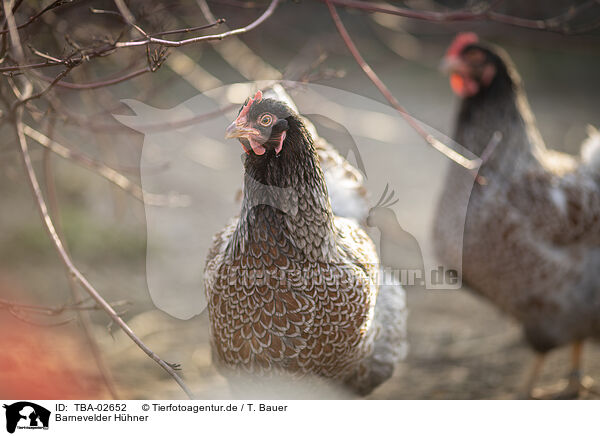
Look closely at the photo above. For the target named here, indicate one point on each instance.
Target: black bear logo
(26, 415)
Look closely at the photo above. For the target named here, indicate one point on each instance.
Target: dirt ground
(460, 348)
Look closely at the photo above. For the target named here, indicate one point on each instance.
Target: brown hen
(291, 287)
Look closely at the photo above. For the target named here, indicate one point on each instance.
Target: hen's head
(261, 125)
(472, 66)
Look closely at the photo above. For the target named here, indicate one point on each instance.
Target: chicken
(291, 287)
(345, 184)
(531, 240)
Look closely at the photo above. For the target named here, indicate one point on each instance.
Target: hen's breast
(272, 312)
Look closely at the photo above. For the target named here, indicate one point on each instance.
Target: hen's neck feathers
(502, 107)
(286, 200)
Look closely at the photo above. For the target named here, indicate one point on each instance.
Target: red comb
(460, 42)
(257, 97)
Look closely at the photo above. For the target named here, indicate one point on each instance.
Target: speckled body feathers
(532, 233)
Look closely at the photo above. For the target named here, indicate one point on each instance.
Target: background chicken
(291, 287)
(532, 234)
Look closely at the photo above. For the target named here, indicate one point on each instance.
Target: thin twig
(101, 83)
(16, 314)
(44, 55)
(240, 4)
(57, 79)
(128, 16)
(555, 24)
(56, 310)
(83, 315)
(470, 164)
(196, 119)
(29, 66)
(51, 6)
(78, 57)
(85, 55)
(107, 172)
(68, 263)
(166, 32)
(237, 54)
(4, 49)
(12, 30)
(217, 37)
(190, 29)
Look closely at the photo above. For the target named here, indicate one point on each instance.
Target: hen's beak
(451, 64)
(238, 130)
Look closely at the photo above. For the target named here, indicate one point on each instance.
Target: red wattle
(280, 146)
(258, 148)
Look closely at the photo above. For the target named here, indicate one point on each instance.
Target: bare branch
(45, 90)
(16, 314)
(190, 29)
(82, 55)
(240, 4)
(82, 314)
(53, 5)
(68, 263)
(153, 40)
(167, 32)
(101, 83)
(29, 66)
(237, 54)
(128, 16)
(44, 55)
(12, 29)
(172, 125)
(555, 24)
(441, 147)
(56, 310)
(107, 172)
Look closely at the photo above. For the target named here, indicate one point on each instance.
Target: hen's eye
(265, 120)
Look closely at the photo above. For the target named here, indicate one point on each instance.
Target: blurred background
(460, 347)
